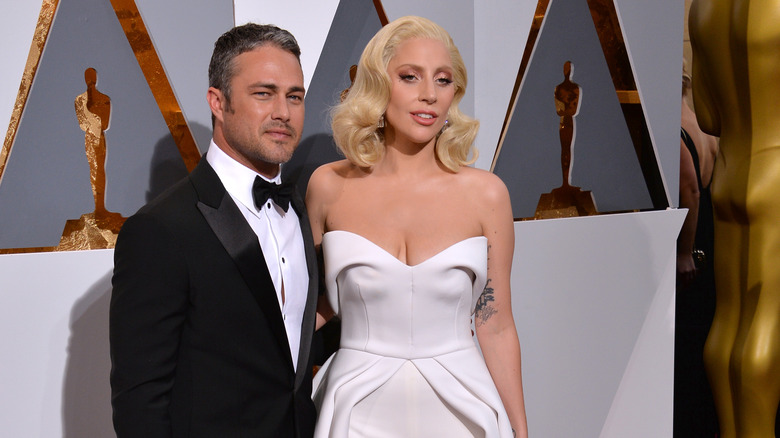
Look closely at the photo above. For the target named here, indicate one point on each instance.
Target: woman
(413, 241)
(694, 408)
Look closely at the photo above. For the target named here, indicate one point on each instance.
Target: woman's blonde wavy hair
(355, 120)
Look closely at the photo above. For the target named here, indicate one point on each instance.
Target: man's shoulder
(173, 199)
(201, 182)
(170, 217)
(176, 208)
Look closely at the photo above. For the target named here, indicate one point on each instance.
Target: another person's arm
(689, 198)
(493, 318)
(147, 312)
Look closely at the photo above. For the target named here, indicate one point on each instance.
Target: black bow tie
(263, 190)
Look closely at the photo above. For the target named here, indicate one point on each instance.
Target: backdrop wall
(54, 377)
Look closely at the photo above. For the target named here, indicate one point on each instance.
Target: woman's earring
(381, 123)
(446, 125)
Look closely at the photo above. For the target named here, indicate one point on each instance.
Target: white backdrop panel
(54, 325)
(308, 21)
(593, 300)
(17, 27)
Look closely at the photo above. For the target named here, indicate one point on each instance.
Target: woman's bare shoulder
(483, 184)
(329, 172)
(487, 202)
(330, 177)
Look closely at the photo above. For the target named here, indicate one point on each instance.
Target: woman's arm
(493, 318)
(317, 216)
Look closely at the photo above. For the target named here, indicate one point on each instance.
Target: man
(213, 305)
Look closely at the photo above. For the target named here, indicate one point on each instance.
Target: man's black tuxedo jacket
(198, 345)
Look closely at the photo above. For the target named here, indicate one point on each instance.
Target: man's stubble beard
(265, 150)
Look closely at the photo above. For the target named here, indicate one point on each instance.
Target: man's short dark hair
(242, 39)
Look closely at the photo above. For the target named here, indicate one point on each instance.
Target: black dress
(694, 409)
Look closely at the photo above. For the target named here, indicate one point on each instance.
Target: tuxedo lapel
(238, 239)
(309, 314)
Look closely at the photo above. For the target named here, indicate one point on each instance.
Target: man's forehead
(278, 65)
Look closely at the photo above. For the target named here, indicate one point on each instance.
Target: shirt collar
(236, 177)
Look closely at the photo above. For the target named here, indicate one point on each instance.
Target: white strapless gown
(407, 365)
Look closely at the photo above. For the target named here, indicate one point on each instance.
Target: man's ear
(217, 102)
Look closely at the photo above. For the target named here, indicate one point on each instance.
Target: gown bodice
(412, 311)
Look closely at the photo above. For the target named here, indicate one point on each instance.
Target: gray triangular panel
(354, 23)
(603, 157)
(47, 178)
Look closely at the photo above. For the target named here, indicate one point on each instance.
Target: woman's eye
(408, 78)
(444, 81)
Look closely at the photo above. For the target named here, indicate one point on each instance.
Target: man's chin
(284, 153)
(274, 153)
(278, 159)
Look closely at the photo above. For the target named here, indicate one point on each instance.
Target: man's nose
(281, 109)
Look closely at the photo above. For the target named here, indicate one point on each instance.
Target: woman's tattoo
(484, 309)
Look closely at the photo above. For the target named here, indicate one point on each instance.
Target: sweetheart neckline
(396, 258)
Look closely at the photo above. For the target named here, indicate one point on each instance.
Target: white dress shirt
(280, 237)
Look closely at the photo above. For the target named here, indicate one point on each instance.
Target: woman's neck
(408, 159)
